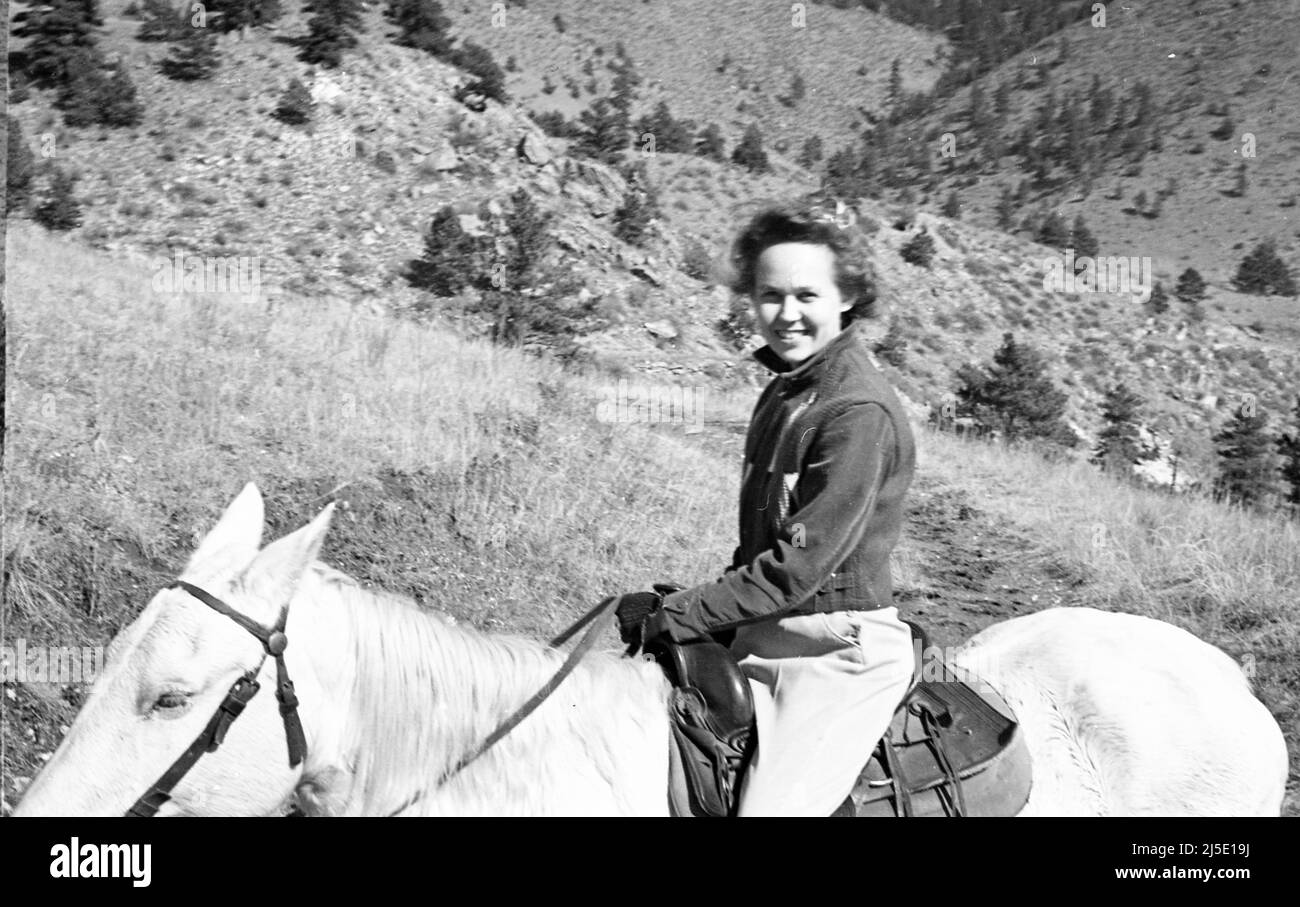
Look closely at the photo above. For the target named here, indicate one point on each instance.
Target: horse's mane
(428, 691)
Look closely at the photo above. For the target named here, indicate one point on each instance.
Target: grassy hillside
(483, 483)
(1211, 65)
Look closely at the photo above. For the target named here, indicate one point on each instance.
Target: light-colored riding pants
(825, 688)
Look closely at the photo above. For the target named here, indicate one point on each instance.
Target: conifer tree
(194, 57)
(295, 107)
(1053, 232)
(162, 21)
(56, 31)
(1159, 301)
(1082, 240)
(1015, 395)
(639, 209)
(1288, 447)
(119, 105)
(811, 152)
(952, 205)
(1006, 210)
(1247, 471)
(61, 211)
(449, 263)
(1118, 445)
(234, 15)
(604, 132)
(1191, 287)
(1262, 272)
(710, 144)
(489, 78)
(331, 30)
(749, 152)
(422, 24)
(919, 250)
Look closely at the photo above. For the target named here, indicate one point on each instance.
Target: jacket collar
(812, 368)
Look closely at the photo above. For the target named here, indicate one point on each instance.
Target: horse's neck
(415, 694)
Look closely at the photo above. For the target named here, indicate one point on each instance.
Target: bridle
(274, 642)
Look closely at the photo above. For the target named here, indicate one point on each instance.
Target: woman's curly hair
(814, 223)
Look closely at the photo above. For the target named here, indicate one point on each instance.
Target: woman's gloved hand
(632, 611)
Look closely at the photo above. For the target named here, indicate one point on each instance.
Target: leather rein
(274, 642)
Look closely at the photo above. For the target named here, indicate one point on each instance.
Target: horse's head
(168, 672)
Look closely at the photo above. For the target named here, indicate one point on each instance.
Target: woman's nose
(789, 308)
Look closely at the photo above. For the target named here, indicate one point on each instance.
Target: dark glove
(632, 610)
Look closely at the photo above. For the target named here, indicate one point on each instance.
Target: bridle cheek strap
(274, 642)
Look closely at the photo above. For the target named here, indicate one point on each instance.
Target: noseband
(274, 642)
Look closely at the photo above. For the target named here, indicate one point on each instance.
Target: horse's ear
(234, 541)
(278, 568)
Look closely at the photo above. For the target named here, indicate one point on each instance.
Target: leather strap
(274, 642)
(902, 796)
(243, 690)
(935, 741)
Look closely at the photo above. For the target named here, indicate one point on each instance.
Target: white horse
(1122, 715)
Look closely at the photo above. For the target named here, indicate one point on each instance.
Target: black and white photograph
(656, 408)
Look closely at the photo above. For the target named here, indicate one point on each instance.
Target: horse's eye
(171, 701)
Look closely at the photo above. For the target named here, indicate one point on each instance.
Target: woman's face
(796, 302)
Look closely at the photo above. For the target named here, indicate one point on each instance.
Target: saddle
(954, 747)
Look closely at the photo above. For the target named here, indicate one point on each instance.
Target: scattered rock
(533, 149)
(444, 159)
(661, 330)
(648, 274)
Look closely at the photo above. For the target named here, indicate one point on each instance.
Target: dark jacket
(828, 461)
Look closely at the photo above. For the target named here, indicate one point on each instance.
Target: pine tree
(118, 103)
(82, 90)
(1053, 232)
(1262, 272)
(952, 205)
(1006, 210)
(449, 263)
(1016, 395)
(1288, 447)
(233, 15)
(529, 230)
(1159, 301)
(330, 31)
(1191, 287)
(57, 31)
(639, 209)
(919, 250)
(194, 57)
(1246, 460)
(798, 90)
(295, 107)
(749, 153)
(892, 347)
(811, 152)
(710, 144)
(489, 78)
(1082, 240)
(671, 135)
(61, 211)
(162, 22)
(18, 176)
(1118, 445)
(895, 96)
(605, 132)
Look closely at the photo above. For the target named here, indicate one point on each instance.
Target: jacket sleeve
(848, 461)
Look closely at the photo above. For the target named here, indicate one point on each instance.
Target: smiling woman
(828, 462)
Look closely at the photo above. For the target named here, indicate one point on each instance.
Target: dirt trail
(972, 568)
